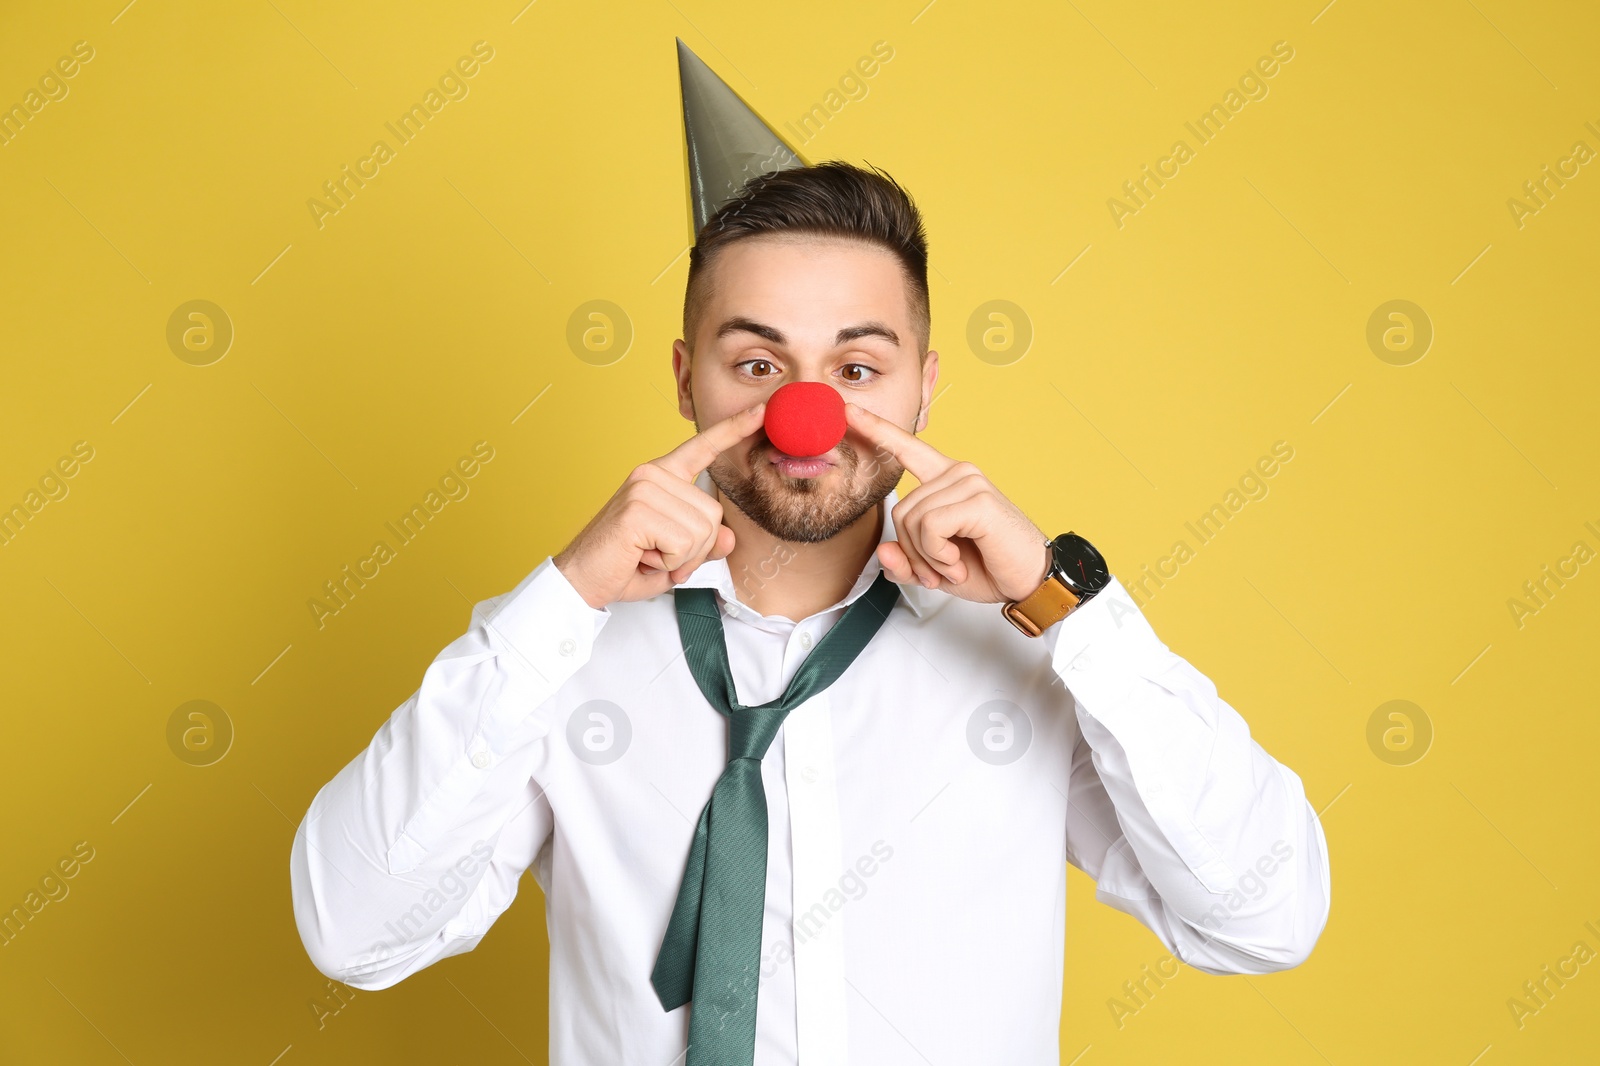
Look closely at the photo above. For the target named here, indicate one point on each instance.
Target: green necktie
(711, 953)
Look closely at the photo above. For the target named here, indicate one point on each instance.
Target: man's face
(805, 309)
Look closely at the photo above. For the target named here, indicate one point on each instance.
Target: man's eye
(848, 371)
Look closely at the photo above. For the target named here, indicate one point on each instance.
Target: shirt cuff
(1108, 630)
(546, 630)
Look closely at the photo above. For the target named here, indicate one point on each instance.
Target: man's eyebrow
(745, 325)
(867, 329)
(844, 336)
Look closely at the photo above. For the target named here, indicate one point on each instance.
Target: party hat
(728, 142)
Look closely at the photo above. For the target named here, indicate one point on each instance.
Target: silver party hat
(728, 142)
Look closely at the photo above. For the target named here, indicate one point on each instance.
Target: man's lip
(823, 458)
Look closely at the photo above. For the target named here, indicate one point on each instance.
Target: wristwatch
(1077, 572)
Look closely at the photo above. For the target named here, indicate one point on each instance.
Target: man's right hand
(659, 526)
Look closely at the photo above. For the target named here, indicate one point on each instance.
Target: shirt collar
(714, 573)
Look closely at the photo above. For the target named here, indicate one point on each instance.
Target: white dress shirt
(921, 811)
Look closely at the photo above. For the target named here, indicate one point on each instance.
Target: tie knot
(751, 729)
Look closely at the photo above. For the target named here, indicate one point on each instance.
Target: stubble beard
(806, 510)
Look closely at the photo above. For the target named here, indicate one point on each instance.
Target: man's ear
(683, 375)
(930, 376)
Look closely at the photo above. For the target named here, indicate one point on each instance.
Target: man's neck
(794, 580)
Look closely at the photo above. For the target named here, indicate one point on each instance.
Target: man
(880, 875)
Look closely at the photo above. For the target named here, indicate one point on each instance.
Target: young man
(795, 787)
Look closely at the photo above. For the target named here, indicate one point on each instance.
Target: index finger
(689, 459)
(915, 454)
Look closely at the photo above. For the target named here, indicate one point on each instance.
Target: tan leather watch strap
(1043, 608)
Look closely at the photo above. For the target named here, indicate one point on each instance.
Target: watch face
(1084, 567)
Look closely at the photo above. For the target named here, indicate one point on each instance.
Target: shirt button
(805, 640)
(733, 610)
(1083, 661)
(568, 646)
(480, 759)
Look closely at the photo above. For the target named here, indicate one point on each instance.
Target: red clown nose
(805, 418)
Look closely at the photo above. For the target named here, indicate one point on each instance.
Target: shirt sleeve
(417, 845)
(1182, 819)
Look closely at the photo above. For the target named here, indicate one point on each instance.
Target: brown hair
(833, 199)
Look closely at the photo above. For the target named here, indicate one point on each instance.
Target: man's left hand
(955, 531)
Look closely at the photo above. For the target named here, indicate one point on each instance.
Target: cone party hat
(728, 143)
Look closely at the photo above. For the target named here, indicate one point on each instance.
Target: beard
(805, 510)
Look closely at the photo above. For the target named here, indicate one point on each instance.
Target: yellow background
(369, 354)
